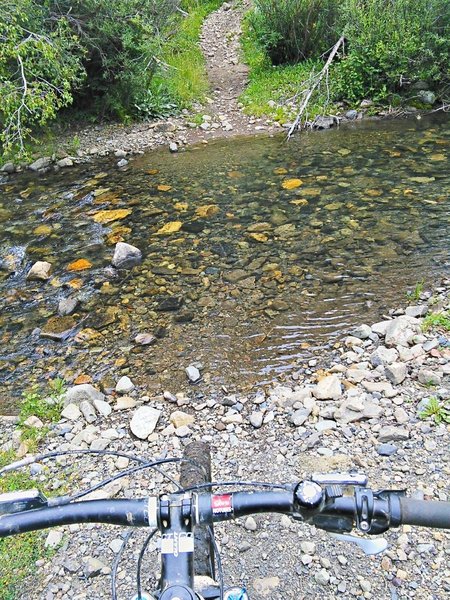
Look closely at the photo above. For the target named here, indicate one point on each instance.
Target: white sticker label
(177, 543)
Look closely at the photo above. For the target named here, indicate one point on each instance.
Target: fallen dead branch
(315, 82)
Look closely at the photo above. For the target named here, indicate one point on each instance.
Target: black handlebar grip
(425, 513)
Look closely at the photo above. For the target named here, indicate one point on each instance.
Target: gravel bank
(360, 410)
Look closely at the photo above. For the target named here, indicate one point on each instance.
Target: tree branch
(316, 81)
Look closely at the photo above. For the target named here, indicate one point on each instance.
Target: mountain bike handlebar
(325, 507)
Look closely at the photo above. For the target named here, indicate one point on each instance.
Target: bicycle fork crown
(236, 593)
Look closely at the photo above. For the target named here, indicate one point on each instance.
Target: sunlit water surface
(266, 251)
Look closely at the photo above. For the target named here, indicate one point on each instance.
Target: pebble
(193, 373)
(250, 524)
(322, 577)
(386, 449)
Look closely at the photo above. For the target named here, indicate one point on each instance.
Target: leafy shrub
(293, 30)
(392, 44)
(98, 54)
(122, 42)
(40, 65)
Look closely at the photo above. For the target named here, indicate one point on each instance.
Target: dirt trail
(220, 43)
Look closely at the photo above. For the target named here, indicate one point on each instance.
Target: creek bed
(257, 255)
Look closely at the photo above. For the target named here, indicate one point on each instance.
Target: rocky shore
(365, 408)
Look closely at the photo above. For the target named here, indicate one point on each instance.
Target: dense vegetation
(108, 59)
(140, 58)
(392, 48)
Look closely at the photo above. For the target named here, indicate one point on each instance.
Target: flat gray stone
(71, 412)
(393, 434)
(429, 377)
(41, 163)
(386, 449)
(300, 416)
(103, 408)
(416, 311)
(362, 332)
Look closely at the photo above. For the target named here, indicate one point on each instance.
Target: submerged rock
(67, 306)
(126, 256)
(58, 328)
(41, 270)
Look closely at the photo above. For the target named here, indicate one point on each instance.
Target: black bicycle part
(177, 541)
(197, 471)
(425, 513)
(132, 513)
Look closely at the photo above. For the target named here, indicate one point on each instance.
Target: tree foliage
(40, 65)
(389, 44)
(96, 53)
(294, 30)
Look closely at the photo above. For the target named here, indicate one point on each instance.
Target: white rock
(126, 256)
(383, 356)
(102, 407)
(33, 421)
(53, 539)
(179, 418)
(193, 373)
(328, 388)
(396, 372)
(41, 270)
(144, 421)
(124, 385)
(400, 331)
(88, 411)
(71, 412)
(78, 393)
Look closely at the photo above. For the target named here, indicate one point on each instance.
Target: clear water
(267, 275)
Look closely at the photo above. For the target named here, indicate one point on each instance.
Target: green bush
(99, 55)
(392, 44)
(293, 30)
(122, 42)
(40, 65)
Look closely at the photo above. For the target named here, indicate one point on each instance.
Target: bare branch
(315, 83)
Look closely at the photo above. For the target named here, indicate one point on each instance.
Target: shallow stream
(257, 254)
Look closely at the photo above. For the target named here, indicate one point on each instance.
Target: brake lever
(374, 546)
